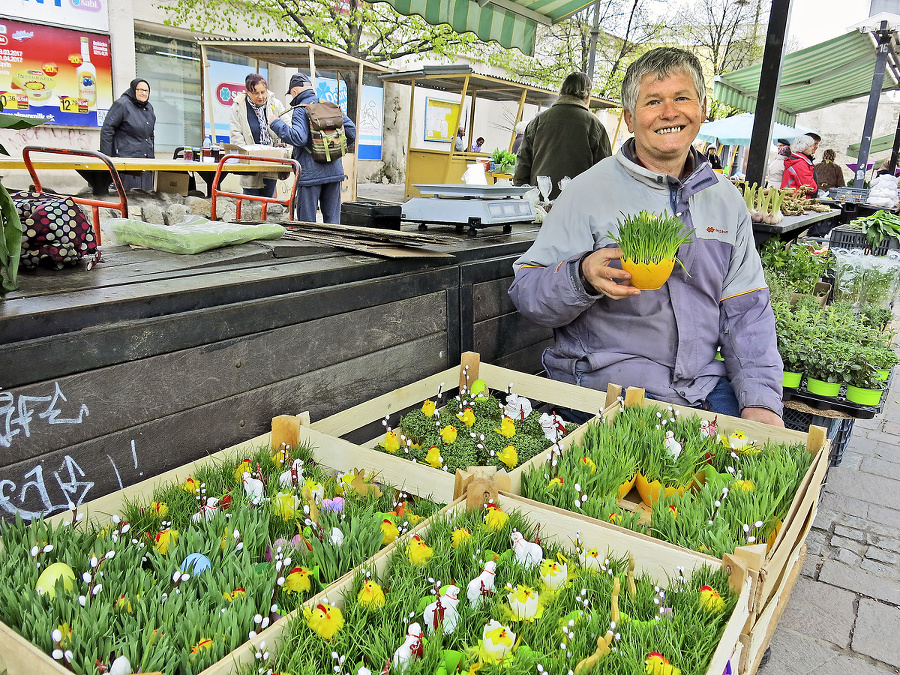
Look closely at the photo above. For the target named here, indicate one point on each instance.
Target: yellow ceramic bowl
(648, 277)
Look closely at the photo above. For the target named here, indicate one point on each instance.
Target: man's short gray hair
(576, 84)
(802, 144)
(662, 63)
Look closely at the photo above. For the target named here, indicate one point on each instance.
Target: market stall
(428, 165)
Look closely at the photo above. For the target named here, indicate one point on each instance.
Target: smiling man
(665, 341)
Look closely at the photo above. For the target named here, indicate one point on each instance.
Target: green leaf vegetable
(650, 237)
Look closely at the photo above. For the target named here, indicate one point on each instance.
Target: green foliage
(795, 265)
(504, 159)
(878, 226)
(758, 485)
(687, 636)
(650, 237)
(139, 611)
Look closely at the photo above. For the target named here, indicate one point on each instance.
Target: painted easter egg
(479, 389)
(196, 563)
(46, 583)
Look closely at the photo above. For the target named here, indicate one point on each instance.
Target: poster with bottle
(61, 76)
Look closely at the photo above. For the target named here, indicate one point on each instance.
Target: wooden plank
(373, 232)
(491, 298)
(123, 341)
(19, 657)
(761, 635)
(81, 472)
(124, 395)
(507, 333)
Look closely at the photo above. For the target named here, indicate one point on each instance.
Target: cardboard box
(173, 182)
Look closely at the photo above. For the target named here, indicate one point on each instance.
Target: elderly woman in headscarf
(128, 131)
(249, 126)
(827, 173)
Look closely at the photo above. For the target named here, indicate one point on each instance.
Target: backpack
(328, 141)
(55, 230)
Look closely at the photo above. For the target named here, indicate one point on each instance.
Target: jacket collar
(702, 175)
(566, 99)
(305, 96)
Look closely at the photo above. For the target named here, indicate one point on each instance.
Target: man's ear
(629, 121)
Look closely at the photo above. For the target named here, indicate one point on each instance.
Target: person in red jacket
(798, 167)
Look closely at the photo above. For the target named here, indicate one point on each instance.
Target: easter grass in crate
(475, 428)
(726, 485)
(515, 588)
(195, 562)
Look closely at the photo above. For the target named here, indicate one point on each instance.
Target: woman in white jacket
(249, 126)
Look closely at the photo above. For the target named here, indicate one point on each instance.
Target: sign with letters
(58, 75)
(88, 14)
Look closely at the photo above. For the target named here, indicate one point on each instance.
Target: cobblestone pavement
(843, 617)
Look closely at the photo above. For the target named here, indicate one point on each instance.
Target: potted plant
(503, 161)
(649, 242)
(863, 384)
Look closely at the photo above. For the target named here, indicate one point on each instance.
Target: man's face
(812, 150)
(781, 147)
(666, 119)
(258, 94)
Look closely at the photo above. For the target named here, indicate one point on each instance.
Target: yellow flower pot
(648, 276)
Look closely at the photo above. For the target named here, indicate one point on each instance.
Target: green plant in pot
(863, 384)
(503, 160)
(649, 243)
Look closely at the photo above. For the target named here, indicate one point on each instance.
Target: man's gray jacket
(664, 341)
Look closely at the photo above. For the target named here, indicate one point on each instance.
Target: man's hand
(602, 276)
(270, 116)
(762, 415)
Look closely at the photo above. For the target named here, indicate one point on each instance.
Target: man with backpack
(320, 134)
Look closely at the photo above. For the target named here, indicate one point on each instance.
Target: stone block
(877, 489)
(880, 569)
(153, 213)
(847, 557)
(811, 566)
(796, 654)
(884, 515)
(845, 544)
(884, 556)
(846, 506)
(851, 578)
(806, 612)
(882, 467)
(848, 665)
(175, 214)
(850, 533)
(877, 628)
(198, 206)
(816, 541)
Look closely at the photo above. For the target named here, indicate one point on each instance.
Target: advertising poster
(226, 82)
(441, 118)
(59, 75)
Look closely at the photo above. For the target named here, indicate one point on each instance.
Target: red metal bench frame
(95, 204)
(289, 202)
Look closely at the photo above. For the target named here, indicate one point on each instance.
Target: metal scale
(475, 206)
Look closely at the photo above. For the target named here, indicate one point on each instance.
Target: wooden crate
(362, 423)
(769, 566)
(652, 557)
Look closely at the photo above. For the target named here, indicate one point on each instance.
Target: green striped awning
(837, 70)
(512, 23)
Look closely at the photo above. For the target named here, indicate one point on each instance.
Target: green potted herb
(503, 160)
(861, 377)
(649, 242)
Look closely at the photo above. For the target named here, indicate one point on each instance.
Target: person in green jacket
(564, 140)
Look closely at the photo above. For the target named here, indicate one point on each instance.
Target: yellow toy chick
(497, 640)
(389, 531)
(494, 518)
(459, 537)
(448, 434)
(164, 540)
(191, 485)
(554, 483)
(433, 458)
(391, 443)
(710, 599)
(507, 428)
(286, 505)
(371, 596)
(588, 462)
(657, 664)
(467, 417)
(297, 581)
(428, 408)
(418, 552)
(160, 509)
(243, 467)
(324, 620)
(554, 574)
(235, 594)
(745, 485)
(509, 456)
